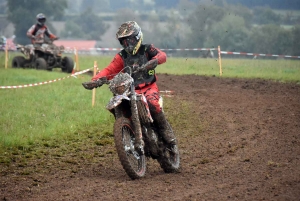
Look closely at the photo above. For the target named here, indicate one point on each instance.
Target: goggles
(128, 41)
(42, 20)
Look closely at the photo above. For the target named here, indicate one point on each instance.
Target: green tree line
(189, 25)
(237, 28)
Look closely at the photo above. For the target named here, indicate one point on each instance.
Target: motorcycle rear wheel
(133, 163)
(170, 159)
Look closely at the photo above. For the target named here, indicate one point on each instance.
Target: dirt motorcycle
(133, 121)
(44, 56)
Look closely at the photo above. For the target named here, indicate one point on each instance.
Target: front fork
(139, 143)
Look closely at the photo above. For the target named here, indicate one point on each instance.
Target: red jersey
(118, 63)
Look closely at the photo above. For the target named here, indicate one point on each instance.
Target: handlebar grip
(91, 85)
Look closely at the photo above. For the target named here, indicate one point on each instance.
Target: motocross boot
(164, 128)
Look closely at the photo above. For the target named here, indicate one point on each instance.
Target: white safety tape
(70, 49)
(46, 82)
(119, 49)
(168, 96)
(167, 92)
(189, 49)
(262, 55)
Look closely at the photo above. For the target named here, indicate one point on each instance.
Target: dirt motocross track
(239, 140)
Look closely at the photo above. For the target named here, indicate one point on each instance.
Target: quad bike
(44, 56)
(133, 121)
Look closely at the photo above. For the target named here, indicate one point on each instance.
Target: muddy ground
(239, 140)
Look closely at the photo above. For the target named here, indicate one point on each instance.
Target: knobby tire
(133, 163)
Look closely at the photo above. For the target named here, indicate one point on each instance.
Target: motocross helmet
(130, 36)
(41, 19)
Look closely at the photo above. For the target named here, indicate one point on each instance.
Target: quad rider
(38, 31)
(145, 58)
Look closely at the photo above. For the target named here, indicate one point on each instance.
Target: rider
(38, 31)
(144, 57)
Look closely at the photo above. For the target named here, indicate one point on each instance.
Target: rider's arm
(115, 66)
(30, 31)
(49, 34)
(155, 53)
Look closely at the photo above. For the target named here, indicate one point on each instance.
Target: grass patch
(46, 115)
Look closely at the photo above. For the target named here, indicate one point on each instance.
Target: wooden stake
(6, 55)
(76, 59)
(220, 62)
(94, 90)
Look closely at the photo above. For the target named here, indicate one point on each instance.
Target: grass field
(47, 114)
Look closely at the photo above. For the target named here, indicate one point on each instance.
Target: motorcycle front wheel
(133, 163)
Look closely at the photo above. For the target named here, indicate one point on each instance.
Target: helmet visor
(128, 43)
(42, 20)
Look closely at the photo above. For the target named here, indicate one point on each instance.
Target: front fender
(115, 101)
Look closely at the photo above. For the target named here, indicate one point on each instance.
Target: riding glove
(94, 84)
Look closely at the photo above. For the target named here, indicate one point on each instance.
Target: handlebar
(98, 83)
